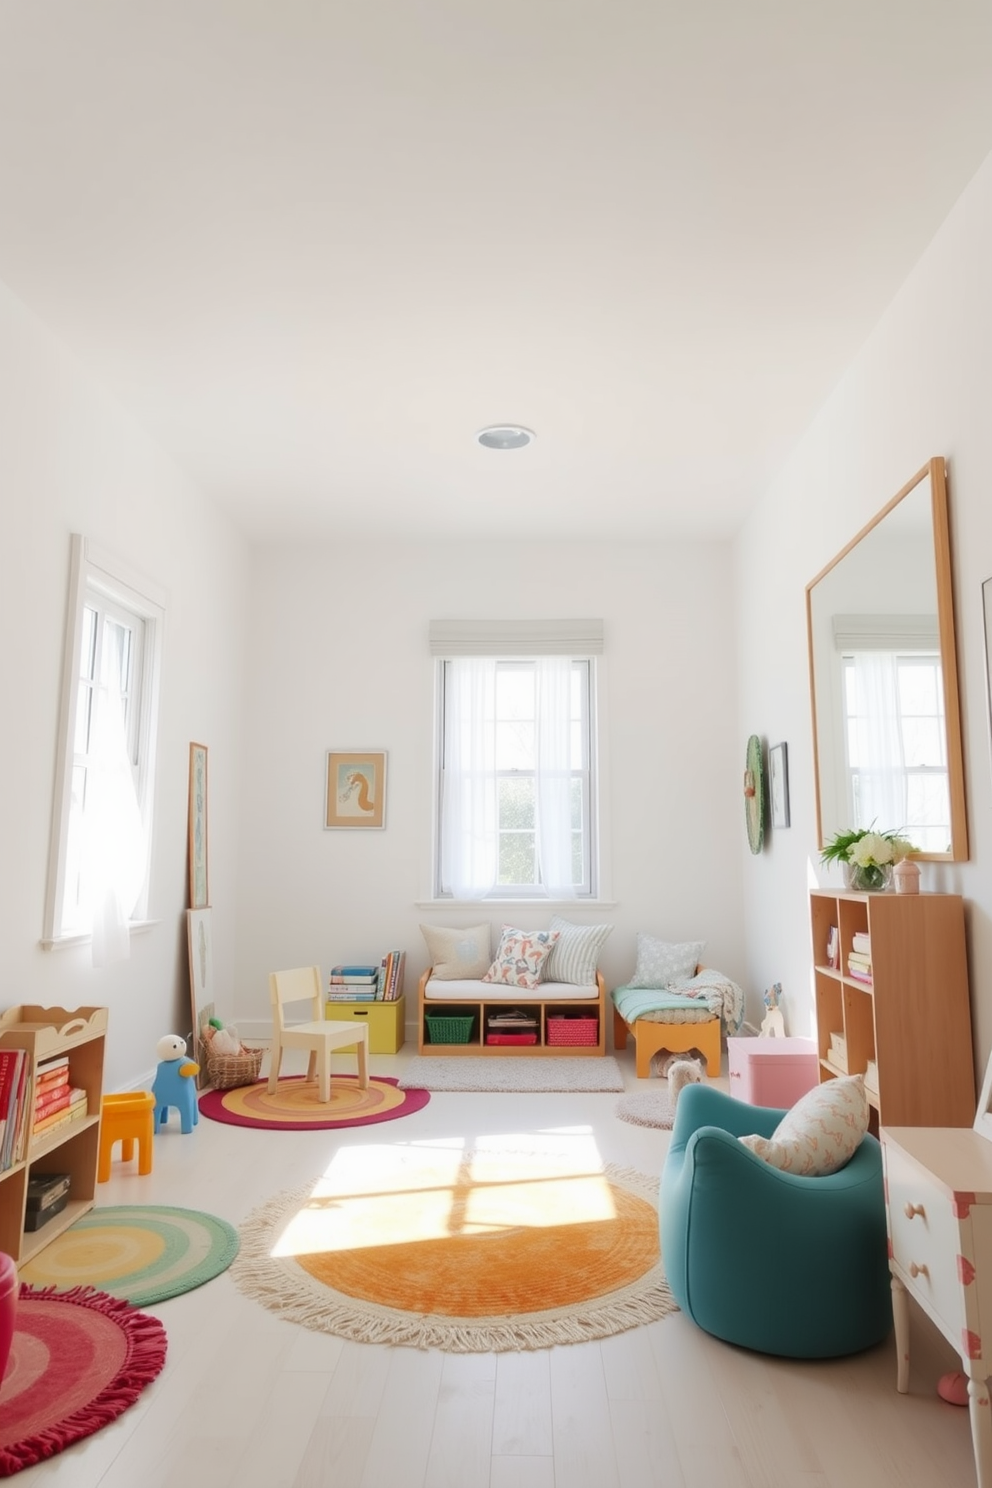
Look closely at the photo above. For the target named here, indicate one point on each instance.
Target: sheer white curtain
(554, 774)
(469, 785)
(879, 760)
(469, 844)
(112, 859)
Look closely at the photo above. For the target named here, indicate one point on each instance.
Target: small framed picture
(778, 784)
(355, 789)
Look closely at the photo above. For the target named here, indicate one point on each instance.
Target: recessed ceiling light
(505, 436)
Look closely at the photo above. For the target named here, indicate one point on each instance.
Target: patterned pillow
(822, 1131)
(659, 963)
(457, 954)
(520, 957)
(575, 955)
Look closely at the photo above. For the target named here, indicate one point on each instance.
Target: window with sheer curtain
(896, 744)
(516, 791)
(102, 830)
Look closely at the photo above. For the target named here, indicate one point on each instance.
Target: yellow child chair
(319, 1036)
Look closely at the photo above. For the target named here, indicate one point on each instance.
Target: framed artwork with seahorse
(355, 789)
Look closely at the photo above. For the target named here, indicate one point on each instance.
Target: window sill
(65, 942)
(515, 904)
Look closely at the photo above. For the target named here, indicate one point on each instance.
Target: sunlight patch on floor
(401, 1193)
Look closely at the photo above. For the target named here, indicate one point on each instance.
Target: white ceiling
(315, 245)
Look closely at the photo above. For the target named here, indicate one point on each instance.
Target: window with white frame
(895, 744)
(101, 843)
(516, 780)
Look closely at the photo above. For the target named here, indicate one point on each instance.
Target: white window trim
(517, 894)
(91, 567)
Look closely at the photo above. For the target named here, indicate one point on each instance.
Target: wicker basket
(226, 1071)
(448, 1028)
(579, 1032)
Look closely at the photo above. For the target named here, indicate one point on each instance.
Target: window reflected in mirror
(883, 674)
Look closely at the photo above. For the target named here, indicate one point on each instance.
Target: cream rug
(509, 1072)
(647, 1108)
(467, 1252)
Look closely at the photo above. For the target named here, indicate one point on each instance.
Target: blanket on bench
(690, 1000)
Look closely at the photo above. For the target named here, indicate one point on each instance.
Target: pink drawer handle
(915, 1270)
(913, 1209)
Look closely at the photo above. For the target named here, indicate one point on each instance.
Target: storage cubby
(912, 1022)
(47, 1033)
(469, 1035)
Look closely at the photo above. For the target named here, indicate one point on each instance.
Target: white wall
(340, 660)
(71, 460)
(922, 386)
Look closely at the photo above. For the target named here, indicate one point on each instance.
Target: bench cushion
(478, 991)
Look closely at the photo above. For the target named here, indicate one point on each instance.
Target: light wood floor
(247, 1399)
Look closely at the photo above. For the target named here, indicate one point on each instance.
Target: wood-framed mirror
(883, 678)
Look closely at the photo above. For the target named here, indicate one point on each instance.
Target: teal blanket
(708, 988)
(633, 1002)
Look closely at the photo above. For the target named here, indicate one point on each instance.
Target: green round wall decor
(754, 793)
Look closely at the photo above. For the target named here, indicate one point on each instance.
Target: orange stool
(127, 1119)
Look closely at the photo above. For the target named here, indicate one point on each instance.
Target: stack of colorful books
(859, 957)
(13, 1105)
(353, 984)
(382, 983)
(56, 1102)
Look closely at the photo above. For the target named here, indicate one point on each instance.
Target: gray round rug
(647, 1108)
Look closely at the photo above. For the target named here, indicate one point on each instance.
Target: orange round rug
(465, 1252)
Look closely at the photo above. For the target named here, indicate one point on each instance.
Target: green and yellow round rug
(140, 1253)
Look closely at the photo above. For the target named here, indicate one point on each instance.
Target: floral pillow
(821, 1133)
(660, 963)
(521, 957)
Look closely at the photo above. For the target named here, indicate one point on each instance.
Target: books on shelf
(833, 948)
(74, 1107)
(13, 1101)
(391, 975)
(859, 960)
(861, 942)
(361, 983)
(353, 976)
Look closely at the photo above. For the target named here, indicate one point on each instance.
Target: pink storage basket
(574, 1031)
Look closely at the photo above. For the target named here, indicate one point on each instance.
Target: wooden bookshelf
(913, 1020)
(45, 1033)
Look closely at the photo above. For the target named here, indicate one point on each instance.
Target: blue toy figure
(175, 1083)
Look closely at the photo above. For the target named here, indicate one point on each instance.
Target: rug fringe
(300, 1299)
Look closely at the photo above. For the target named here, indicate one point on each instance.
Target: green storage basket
(449, 1028)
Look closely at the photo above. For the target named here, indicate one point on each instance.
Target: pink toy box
(772, 1071)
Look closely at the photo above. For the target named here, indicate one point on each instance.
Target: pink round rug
(78, 1360)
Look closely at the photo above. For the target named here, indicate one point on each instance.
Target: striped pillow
(575, 954)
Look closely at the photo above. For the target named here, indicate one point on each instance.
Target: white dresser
(938, 1186)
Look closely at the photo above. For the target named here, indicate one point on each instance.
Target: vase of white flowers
(867, 857)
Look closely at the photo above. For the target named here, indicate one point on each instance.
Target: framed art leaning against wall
(355, 789)
(199, 885)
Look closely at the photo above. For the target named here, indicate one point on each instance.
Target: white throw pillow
(520, 957)
(821, 1133)
(458, 955)
(575, 955)
(659, 962)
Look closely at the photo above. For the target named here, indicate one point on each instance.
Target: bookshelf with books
(893, 1003)
(371, 994)
(51, 1111)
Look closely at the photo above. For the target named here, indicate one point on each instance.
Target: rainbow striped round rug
(139, 1253)
(295, 1104)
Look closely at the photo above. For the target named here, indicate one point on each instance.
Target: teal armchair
(772, 1261)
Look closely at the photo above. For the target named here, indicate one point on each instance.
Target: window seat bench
(454, 1017)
